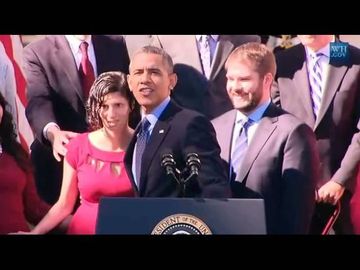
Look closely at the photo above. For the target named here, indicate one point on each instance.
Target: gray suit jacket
(337, 126)
(194, 90)
(54, 85)
(281, 166)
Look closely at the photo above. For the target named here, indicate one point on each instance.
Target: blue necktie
(240, 148)
(141, 141)
(316, 82)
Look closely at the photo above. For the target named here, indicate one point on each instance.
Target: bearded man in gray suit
(270, 154)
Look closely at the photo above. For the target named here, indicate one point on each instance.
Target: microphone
(168, 162)
(193, 163)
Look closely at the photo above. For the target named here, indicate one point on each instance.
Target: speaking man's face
(150, 80)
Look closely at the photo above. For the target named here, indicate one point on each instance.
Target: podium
(165, 216)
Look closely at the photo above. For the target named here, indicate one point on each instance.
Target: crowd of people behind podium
(269, 117)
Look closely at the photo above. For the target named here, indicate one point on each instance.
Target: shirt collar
(156, 113)
(325, 51)
(75, 43)
(255, 116)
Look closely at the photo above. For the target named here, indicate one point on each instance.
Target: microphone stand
(184, 180)
(181, 179)
(190, 171)
(169, 164)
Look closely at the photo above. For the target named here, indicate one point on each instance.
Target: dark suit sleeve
(254, 38)
(111, 53)
(350, 162)
(346, 173)
(242, 39)
(39, 110)
(201, 139)
(299, 176)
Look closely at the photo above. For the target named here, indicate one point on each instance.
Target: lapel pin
(161, 131)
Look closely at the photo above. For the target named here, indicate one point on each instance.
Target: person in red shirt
(93, 164)
(20, 203)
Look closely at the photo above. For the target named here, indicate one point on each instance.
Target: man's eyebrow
(153, 68)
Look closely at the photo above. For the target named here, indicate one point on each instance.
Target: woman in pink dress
(93, 165)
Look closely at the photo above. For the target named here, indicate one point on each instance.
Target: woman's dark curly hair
(107, 82)
(8, 139)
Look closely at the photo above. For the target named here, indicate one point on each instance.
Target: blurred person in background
(325, 94)
(20, 203)
(8, 84)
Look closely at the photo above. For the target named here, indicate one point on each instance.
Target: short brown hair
(258, 54)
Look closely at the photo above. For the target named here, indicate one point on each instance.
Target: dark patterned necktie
(141, 142)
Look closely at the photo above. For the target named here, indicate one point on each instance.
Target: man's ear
(173, 80)
(129, 81)
(268, 79)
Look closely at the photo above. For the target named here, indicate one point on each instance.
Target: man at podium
(168, 131)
